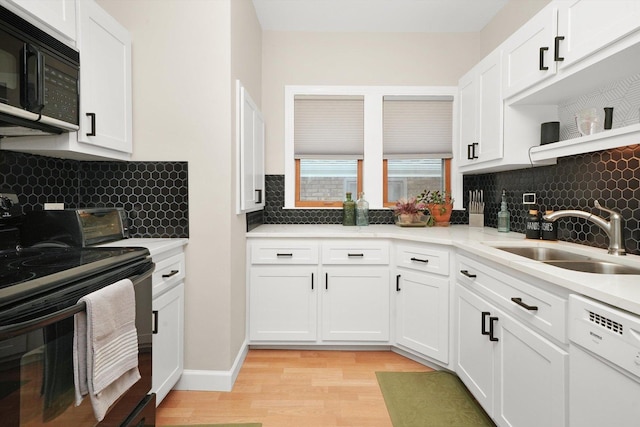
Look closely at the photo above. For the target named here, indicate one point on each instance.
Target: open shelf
(605, 140)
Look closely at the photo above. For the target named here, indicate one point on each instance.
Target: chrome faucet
(613, 227)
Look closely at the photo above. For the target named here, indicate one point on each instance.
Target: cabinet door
(468, 116)
(589, 25)
(168, 338)
(251, 153)
(422, 319)
(533, 377)
(105, 80)
(529, 52)
(475, 365)
(282, 303)
(355, 304)
(489, 121)
(58, 14)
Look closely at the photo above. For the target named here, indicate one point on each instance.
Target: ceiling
(431, 16)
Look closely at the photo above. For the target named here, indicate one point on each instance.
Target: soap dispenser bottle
(503, 216)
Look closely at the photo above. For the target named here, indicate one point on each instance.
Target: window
(353, 138)
(328, 148)
(417, 134)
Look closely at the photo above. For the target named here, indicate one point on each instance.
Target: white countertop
(619, 290)
(155, 246)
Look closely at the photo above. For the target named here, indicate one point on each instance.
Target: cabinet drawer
(525, 300)
(168, 273)
(423, 258)
(284, 252)
(358, 252)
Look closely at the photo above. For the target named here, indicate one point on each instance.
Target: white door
(251, 153)
(168, 359)
(355, 303)
(533, 377)
(489, 122)
(528, 55)
(283, 303)
(589, 25)
(422, 319)
(475, 349)
(468, 116)
(105, 79)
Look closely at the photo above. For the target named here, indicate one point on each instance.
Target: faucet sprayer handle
(597, 205)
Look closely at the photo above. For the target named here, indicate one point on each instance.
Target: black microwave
(39, 80)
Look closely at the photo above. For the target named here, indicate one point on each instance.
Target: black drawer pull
(398, 283)
(542, 66)
(466, 273)
(326, 281)
(155, 322)
(173, 273)
(355, 255)
(491, 320)
(284, 255)
(524, 305)
(311, 281)
(483, 326)
(420, 260)
(556, 54)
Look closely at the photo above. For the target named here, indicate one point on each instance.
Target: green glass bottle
(348, 211)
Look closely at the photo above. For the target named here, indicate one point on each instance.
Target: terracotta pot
(441, 214)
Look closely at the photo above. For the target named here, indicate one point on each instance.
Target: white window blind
(417, 128)
(328, 127)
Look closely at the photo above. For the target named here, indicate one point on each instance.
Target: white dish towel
(105, 346)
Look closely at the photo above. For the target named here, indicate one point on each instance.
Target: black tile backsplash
(610, 176)
(153, 194)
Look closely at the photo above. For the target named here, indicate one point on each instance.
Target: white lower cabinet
(355, 304)
(518, 376)
(283, 303)
(168, 340)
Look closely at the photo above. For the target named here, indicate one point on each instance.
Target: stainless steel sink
(543, 254)
(569, 260)
(593, 266)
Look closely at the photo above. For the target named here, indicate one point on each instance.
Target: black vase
(608, 117)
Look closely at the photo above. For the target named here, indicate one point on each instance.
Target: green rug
(430, 399)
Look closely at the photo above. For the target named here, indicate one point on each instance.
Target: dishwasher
(604, 372)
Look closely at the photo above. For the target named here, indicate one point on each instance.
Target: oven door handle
(16, 329)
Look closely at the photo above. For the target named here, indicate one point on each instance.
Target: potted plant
(409, 211)
(440, 205)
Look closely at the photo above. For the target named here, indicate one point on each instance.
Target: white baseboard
(201, 380)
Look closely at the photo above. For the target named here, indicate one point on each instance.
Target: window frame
(372, 167)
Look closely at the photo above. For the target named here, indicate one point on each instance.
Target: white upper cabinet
(529, 53)
(250, 131)
(586, 26)
(481, 113)
(105, 94)
(59, 15)
(105, 83)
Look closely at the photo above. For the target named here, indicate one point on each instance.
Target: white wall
(183, 110)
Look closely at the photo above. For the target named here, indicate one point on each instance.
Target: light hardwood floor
(282, 388)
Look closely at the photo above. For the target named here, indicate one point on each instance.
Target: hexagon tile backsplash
(153, 194)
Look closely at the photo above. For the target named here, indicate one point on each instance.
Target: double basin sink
(569, 260)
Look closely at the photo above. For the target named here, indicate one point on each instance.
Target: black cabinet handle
(524, 305)
(92, 116)
(355, 255)
(420, 260)
(259, 196)
(542, 51)
(474, 155)
(284, 255)
(483, 329)
(155, 322)
(470, 152)
(173, 273)
(311, 281)
(491, 320)
(398, 283)
(326, 281)
(556, 54)
(466, 273)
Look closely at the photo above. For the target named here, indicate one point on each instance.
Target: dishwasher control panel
(608, 332)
